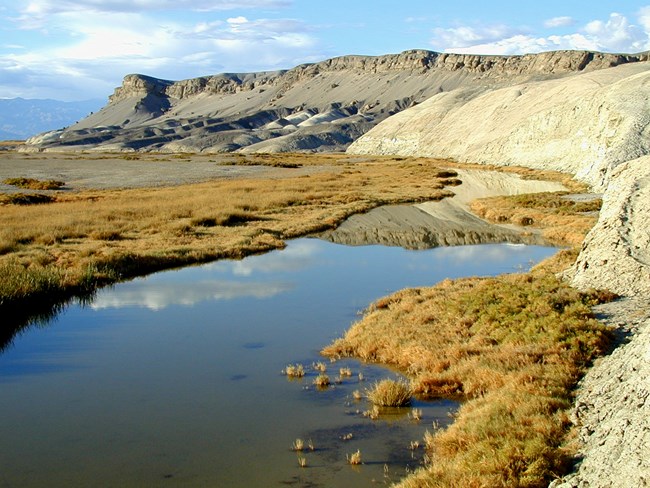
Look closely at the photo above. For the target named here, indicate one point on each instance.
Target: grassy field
(83, 239)
(512, 348)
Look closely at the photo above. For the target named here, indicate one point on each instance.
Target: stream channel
(175, 379)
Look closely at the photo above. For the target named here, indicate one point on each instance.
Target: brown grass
(34, 184)
(562, 220)
(390, 393)
(110, 235)
(512, 347)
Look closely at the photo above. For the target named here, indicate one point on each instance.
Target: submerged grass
(512, 347)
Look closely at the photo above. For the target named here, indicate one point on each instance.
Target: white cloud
(102, 48)
(158, 296)
(466, 36)
(50, 7)
(616, 34)
(559, 22)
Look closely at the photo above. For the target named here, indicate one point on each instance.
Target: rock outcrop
(314, 107)
(616, 253)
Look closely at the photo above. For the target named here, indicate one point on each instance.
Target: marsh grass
(511, 347)
(298, 445)
(322, 380)
(34, 184)
(295, 370)
(354, 458)
(26, 199)
(118, 234)
(390, 393)
(562, 220)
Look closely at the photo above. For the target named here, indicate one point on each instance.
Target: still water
(175, 379)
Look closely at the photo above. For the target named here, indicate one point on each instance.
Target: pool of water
(175, 379)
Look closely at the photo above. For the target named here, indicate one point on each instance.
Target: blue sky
(80, 49)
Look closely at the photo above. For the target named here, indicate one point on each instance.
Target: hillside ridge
(322, 106)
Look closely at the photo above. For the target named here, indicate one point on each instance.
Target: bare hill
(315, 107)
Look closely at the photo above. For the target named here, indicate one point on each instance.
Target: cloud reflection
(157, 296)
(297, 256)
(481, 253)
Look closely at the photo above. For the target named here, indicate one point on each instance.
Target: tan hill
(314, 107)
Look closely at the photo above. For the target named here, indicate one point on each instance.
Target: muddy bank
(445, 223)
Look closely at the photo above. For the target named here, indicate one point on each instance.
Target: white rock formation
(584, 124)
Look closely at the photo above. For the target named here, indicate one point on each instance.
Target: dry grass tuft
(295, 370)
(298, 445)
(26, 199)
(354, 458)
(34, 184)
(390, 393)
(322, 381)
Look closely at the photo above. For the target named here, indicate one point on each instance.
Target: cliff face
(312, 107)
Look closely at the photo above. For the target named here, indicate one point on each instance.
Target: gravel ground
(109, 171)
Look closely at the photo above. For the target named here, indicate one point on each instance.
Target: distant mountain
(21, 118)
(323, 106)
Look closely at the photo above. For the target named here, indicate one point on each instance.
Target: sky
(81, 49)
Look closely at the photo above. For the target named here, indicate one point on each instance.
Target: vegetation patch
(564, 220)
(117, 234)
(34, 184)
(26, 199)
(390, 393)
(512, 347)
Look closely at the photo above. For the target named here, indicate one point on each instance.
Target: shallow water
(175, 379)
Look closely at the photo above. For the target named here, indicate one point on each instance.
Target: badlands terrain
(583, 113)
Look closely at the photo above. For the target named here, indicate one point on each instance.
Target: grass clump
(512, 348)
(295, 370)
(322, 381)
(26, 199)
(390, 393)
(354, 458)
(34, 184)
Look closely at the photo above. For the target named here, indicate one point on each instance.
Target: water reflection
(118, 393)
(158, 296)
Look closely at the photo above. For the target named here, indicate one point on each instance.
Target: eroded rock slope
(316, 107)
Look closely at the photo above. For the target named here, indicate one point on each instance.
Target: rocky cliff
(312, 107)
